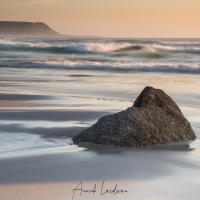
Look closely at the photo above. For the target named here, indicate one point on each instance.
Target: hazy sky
(112, 18)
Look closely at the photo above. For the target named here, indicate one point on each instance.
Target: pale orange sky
(111, 18)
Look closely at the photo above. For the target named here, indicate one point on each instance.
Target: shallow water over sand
(39, 161)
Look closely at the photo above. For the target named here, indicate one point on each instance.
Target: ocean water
(114, 63)
(51, 89)
(115, 55)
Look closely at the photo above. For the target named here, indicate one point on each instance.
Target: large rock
(153, 119)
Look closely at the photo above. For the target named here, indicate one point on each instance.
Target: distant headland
(26, 29)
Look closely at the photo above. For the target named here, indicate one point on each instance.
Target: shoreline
(44, 164)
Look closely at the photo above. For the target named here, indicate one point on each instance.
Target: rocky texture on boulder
(153, 119)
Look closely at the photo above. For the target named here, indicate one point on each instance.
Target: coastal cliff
(26, 29)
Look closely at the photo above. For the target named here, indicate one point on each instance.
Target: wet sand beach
(39, 161)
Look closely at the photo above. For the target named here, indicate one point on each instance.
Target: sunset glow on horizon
(113, 18)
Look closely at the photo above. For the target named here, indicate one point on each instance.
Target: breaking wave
(64, 48)
(99, 47)
(173, 49)
(124, 66)
(114, 66)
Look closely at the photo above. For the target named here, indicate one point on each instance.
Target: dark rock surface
(20, 29)
(153, 119)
